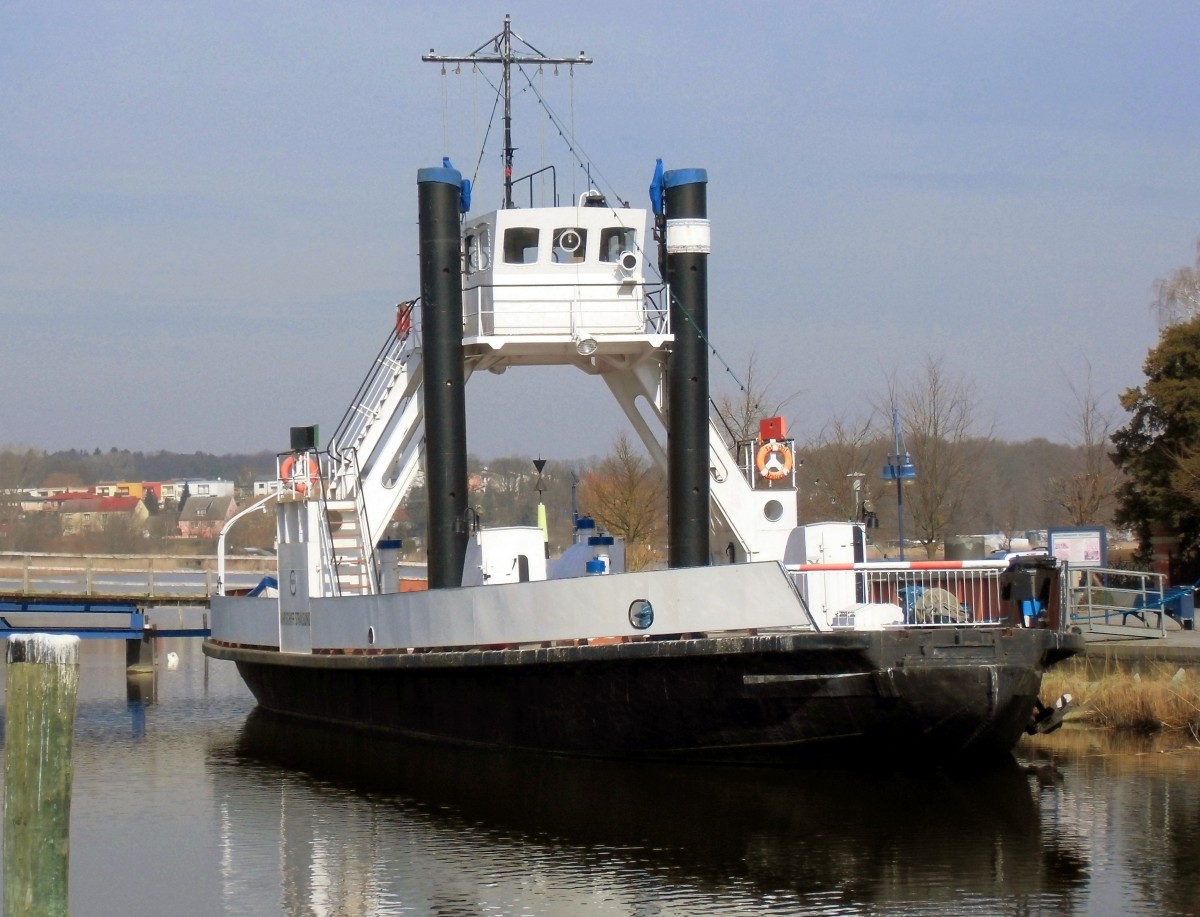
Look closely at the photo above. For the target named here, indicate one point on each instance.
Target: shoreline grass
(1147, 697)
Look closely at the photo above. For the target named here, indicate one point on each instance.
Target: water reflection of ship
(891, 838)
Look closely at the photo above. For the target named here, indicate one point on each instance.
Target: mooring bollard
(39, 728)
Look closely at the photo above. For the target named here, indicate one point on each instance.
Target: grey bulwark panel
(653, 603)
(656, 603)
(245, 621)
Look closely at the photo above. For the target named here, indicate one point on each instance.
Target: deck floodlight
(585, 345)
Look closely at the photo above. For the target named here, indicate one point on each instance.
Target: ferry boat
(762, 641)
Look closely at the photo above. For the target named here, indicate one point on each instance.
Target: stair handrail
(402, 339)
(366, 534)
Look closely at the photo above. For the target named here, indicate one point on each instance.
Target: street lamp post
(899, 468)
(539, 465)
(856, 494)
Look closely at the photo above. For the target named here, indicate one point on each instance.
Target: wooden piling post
(39, 729)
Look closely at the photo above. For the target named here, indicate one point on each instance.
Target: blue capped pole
(687, 245)
(439, 196)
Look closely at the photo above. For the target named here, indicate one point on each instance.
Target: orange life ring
(300, 466)
(773, 460)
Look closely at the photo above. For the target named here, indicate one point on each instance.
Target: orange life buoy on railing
(297, 467)
(773, 460)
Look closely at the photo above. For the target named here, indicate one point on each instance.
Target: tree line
(1143, 477)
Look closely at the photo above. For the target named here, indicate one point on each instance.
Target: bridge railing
(151, 576)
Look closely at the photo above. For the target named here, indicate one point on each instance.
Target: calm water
(186, 802)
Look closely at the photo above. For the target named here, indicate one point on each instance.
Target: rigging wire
(542, 139)
(481, 74)
(712, 348)
(475, 106)
(571, 83)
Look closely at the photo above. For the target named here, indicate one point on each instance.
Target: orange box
(772, 428)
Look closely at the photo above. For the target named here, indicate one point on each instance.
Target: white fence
(154, 576)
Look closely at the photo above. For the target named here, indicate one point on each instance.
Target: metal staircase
(374, 457)
(350, 543)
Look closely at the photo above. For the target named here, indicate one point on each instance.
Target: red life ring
(300, 466)
(773, 460)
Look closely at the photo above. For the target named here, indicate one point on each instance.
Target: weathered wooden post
(39, 729)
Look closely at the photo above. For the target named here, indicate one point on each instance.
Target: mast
(502, 53)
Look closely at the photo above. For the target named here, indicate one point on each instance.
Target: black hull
(948, 695)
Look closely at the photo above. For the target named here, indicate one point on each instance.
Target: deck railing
(948, 593)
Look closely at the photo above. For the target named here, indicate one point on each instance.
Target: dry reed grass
(1154, 696)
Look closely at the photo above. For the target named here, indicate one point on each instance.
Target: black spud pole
(438, 195)
(688, 244)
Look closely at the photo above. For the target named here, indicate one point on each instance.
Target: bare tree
(1088, 495)
(1177, 296)
(938, 424)
(755, 399)
(626, 495)
(19, 469)
(844, 452)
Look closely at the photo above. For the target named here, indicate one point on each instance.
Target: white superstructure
(541, 286)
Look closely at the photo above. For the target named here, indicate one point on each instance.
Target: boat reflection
(833, 837)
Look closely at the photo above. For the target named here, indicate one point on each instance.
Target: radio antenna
(501, 52)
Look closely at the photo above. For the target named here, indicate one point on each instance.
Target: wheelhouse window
(520, 245)
(615, 240)
(479, 251)
(570, 244)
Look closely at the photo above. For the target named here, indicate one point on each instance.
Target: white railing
(540, 310)
(928, 593)
(152, 576)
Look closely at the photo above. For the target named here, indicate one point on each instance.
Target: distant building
(44, 492)
(203, 515)
(121, 489)
(86, 512)
(263, 488)
(216, 488)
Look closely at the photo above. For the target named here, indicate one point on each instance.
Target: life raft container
(773, 460)
(300, 470)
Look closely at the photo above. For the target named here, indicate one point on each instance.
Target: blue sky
(207, 211)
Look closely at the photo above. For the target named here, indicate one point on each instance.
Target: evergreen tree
(1161, 442)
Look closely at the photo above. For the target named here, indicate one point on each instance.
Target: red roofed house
(86, 512)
